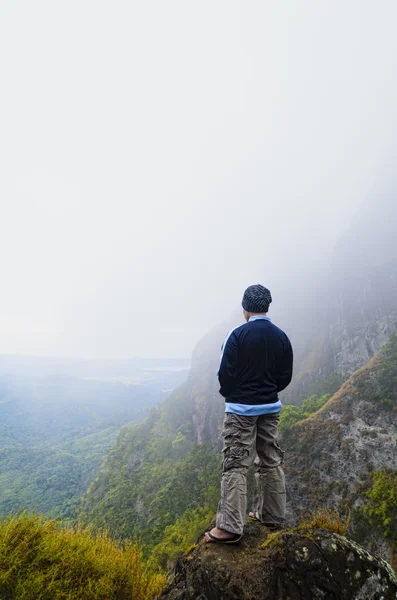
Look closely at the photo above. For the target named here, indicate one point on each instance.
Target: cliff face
(351, 310)
(331, 455)
(315, 564)
(202, 385)
(354, 434)
(358, 317)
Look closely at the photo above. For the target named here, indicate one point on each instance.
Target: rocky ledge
(291, 565)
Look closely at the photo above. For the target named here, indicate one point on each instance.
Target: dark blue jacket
(256, 363)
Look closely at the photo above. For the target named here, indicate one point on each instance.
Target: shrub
(40, 560)
(291, 414)
(321, 519)
(179, 538)
(325, 519)
(381, 505)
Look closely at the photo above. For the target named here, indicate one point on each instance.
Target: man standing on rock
(256, 364)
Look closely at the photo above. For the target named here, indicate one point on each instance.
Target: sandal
(272, 526)
(236, 538)
(252, 517)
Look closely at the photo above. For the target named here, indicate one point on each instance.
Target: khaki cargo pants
(243, 438)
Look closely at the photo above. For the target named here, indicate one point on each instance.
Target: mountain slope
(54, 434)
(332, 454)
(156, 472)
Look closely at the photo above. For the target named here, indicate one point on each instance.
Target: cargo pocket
(234, 457)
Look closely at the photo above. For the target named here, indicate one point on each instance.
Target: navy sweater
(256, 363)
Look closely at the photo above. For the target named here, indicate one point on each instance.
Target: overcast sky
(159, 156)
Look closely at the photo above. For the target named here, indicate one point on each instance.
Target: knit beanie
(256, 299)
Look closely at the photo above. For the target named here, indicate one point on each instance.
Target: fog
(158, 157)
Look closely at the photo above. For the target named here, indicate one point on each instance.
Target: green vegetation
(325, 519)
(51, 478)
(320, 519)
(380, 508)
(179, 537)
(154, 478)
(154, 495)
(43, 561)
(291, 414)
(54, 434)
(158, 485)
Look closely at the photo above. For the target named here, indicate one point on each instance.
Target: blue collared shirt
(257, 317)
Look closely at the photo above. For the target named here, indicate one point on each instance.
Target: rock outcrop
(306, 565)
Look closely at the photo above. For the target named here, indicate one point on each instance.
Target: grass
(325, 519)
(40, 560)
(321, 519)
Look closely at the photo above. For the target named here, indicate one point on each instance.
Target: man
(256, 364)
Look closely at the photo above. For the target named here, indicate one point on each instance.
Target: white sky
(159, 156)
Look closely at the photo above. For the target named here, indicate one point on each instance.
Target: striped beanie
(256, 299)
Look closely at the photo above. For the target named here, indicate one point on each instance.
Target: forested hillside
(155, 475)
(54, 435)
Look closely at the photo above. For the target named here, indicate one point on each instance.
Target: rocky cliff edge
(290, 565)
